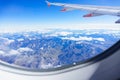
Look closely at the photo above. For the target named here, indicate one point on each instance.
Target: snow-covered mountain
(55, 48)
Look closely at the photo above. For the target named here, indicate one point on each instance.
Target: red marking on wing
(49, 4)
(63, 10)
(88, 15)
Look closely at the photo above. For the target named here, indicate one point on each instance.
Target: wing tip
(48, 3)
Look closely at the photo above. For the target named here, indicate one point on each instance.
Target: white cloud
(7, 53)
(46, 66)
(99, 39)
(24, 49)
(20, 39)
(64, 33)
(6, 40)
(61, 33)
(10, 41)
(41, 48)
(84, 38)
(5, 28)
(2, 52)
(13, 52)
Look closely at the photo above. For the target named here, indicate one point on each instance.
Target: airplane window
(35, 36)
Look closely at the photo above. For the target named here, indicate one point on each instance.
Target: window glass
(37, 37)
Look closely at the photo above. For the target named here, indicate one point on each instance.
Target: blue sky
(36, 12)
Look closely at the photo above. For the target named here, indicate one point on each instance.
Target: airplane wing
(94, 10)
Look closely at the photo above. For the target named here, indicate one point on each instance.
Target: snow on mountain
(55, 48)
